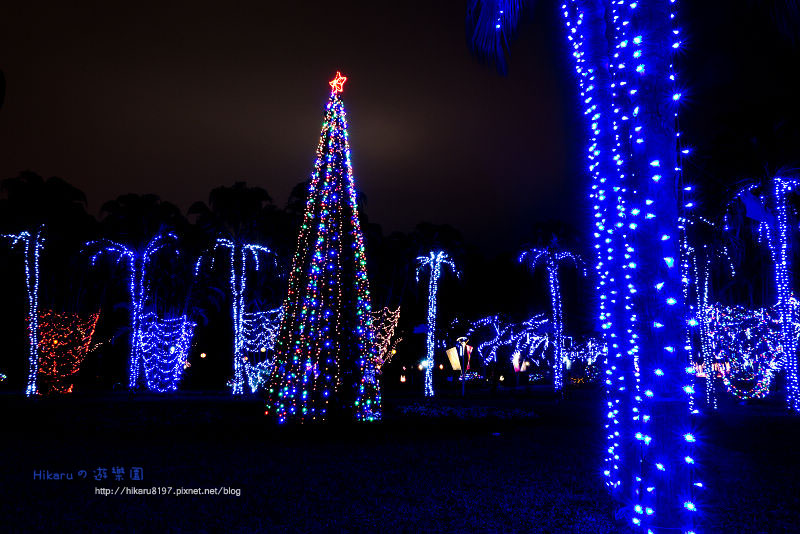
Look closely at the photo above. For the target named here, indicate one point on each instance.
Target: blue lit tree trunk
(623, 57)
(781, 258)
(137, 283)
(33, 243)
(434, 261)
(325, 348)
(551, 257)
(237, 257)
(558, 326)
(622, 53)
(430, 333)
(137, 263)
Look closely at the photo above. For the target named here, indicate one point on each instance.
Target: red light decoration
(337, 84)
(64, 340)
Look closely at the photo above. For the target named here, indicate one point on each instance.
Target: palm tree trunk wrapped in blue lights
(551, 257)
(325, 346)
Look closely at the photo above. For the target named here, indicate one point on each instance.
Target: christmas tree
(325, 349)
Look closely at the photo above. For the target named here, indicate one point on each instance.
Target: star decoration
(337, 84)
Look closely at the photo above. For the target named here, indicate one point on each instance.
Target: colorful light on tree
(325, 350)
(551, 257)
(238, 254)
(433, 261)
(33, 243)
(64, 342)
(137, 263)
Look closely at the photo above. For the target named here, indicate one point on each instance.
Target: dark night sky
(178, 100)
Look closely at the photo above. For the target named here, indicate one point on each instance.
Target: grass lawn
(407, 474)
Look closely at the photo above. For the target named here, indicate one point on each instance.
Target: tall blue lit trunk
(558, 325)
(623, 58)
(782, 258)
(137, 303)
(32, 247)
(433, 285)
(237, 312)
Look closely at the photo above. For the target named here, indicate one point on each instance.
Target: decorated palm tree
(551, 257)
(434, 261)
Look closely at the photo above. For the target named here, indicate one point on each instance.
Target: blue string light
(238, 254)
(164, 349)
(552, 257)
(32, 243)
(635, 208)
(434, 261)
(137, 263)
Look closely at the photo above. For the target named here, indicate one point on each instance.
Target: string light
(774, 228)
(384, 324)
(164, 349)
(32, 243)
(434, 261)
(528, 338)
(551, 257)
(137, 263)
(325, 351)
(629, 153)
(260, 330)
(64, 341)
(238, 254)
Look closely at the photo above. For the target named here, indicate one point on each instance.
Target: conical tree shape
(325, 349)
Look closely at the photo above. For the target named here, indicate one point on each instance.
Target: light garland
(238, 254)
(325, 351)
(774, 228)
(434, 261)
(33, 243)
(64, 340)
(137, 263)
(747, 347)
(164, 349)
(551, 257)
(260, 330)
(634, 160)
(527, 338)
(384, 324)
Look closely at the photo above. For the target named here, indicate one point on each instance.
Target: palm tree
(232, 220)
(551, 257)
(434, 261)
(137, 262)
(771, 211)
(33, 242)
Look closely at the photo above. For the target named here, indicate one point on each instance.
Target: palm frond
(491, 26)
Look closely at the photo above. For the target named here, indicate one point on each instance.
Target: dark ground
(407, 474)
